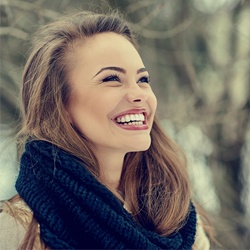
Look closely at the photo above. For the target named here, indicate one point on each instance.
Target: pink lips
(133, 127)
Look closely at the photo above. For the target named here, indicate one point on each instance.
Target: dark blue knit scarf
(75, 211)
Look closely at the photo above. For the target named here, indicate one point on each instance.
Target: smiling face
(111, 102)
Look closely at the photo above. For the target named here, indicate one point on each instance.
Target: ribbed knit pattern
(75, 211)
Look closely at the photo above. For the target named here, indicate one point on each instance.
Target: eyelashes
(144, 79)
(116, 78)
(112, 78)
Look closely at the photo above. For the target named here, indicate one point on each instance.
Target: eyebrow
(118, 69)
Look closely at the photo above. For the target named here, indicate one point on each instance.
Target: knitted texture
(75, 211)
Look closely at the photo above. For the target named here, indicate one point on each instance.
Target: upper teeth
(131, 118)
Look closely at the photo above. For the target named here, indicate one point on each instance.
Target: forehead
(106, 48)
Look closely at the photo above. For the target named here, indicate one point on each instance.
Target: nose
(136, 94)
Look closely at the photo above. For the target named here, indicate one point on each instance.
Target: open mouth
(131, 119)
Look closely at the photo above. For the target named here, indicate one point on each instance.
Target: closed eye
(144, 79)
(112, 78)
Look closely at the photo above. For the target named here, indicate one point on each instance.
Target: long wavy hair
(154, 183)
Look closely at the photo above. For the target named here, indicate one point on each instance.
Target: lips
(132, 120)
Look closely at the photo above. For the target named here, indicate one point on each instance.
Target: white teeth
(137, 117)
(142, 117)
(127, 118)
(131, 119)
(134, 123)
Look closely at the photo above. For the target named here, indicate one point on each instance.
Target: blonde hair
(155, 182)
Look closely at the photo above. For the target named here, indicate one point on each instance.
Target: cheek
(88, 107)
(153, 102)
(76, 106)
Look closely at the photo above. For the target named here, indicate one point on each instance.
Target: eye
(112, 78)
(144, 79)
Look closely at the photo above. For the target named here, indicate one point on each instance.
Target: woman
(97, 170)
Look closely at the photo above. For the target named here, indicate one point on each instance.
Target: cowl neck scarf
(76, 211)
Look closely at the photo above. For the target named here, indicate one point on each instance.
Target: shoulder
(17, 209)
(18, 226)
(12, 229)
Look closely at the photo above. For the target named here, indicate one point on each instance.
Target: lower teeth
(131, 123)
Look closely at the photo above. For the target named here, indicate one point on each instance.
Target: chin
(141, 146)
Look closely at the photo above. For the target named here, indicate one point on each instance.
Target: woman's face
(111, 101)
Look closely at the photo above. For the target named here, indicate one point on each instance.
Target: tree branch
(11, 31)
(31, 7)
(139, 5)
(152, 34)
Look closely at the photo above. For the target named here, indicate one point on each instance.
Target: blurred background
(198, 55)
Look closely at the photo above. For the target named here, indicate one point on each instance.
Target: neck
(110, 167)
